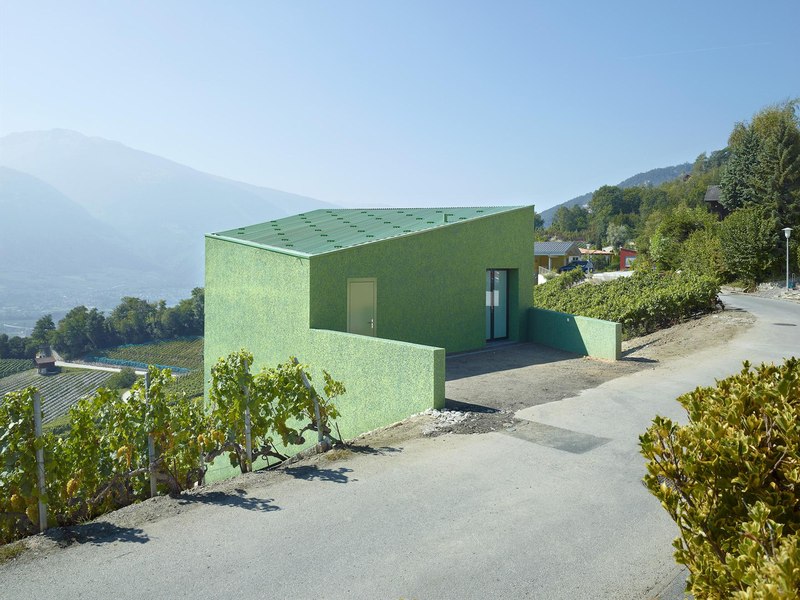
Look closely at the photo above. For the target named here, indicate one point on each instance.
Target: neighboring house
(600, 258)
(375, 297)
(552, 255)
(712, 201)
(45, 365)
(626, 258)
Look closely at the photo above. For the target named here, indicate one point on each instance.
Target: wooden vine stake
(151, 445)
(37, 429)
(248, 440)
(320, 436)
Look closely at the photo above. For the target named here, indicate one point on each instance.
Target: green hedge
(642, 303)
(730, 479)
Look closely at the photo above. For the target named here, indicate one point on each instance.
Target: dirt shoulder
(484, 390)
(491, 386)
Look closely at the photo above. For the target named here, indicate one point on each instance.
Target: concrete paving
(550, 510)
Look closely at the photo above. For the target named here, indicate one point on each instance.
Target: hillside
(163, 208)
(652, 177)
(112, 221)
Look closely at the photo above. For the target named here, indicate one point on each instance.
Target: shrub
(730, 480)
(122, 380)
(749, 239)
(642, 303)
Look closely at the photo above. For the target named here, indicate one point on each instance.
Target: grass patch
(11, 551)
(338, 454)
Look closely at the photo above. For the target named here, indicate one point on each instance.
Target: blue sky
(402, 102)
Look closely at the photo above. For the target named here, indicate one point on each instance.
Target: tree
(70, 337)
(42, 331)
(673, 229)
(737, 183)
(617, 235)
(749, 238)
(17, 349)
(764, 168)
(96, 329)
(570, 219)
(701, 253)
(606, 202)
(538, 222)
(132, 320)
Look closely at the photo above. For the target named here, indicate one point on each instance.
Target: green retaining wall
(431, 286)
(581, 335)
(386, 380)
(259, 300)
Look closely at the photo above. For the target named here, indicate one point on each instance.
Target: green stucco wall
(386, 380)
(581, 335)
(258, 300)
(431, 286)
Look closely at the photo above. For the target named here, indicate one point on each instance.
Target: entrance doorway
(496, 304)
(361, 306)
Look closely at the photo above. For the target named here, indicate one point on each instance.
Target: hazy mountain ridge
(120, 218)
(652, 177)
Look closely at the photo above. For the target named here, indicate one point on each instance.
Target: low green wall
(581, 335)
(386, 380)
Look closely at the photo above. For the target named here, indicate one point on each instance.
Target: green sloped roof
(322, 231)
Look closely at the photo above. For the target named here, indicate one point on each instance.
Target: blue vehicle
(586, 265)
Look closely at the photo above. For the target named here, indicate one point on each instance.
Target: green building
(375, 297)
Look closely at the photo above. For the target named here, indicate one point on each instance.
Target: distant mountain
(161, 207)
(114, 219)
(653, 177)
(46, 232)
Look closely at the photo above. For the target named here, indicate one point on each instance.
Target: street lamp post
(787, 231)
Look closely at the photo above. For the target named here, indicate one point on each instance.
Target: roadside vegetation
(59, 391)
(102, 461)
(729, 479)
(185, 354)
(643, 303)
(671, 226)
(133, 321)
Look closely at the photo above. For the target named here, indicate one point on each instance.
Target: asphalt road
(554, 509)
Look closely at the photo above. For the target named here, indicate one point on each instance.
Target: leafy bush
(278, 402)
(122, 380)
(731, 481)
(749, 242)
(642, 303)
(102, 461)
(19, 493)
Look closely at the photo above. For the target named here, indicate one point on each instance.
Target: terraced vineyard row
(59, 391)
(9, 366)
(184, 353)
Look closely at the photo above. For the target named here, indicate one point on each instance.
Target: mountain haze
(653, 177)
(92, 220)
(160, 207)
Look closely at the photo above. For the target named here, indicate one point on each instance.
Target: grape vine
(102, 463)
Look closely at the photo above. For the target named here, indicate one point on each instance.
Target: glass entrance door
(496, 304)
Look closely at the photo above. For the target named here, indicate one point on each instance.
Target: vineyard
(119, 450)
(642, 303)
(10, 366)
(185, 353)
(59, 391)
(184, 357)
